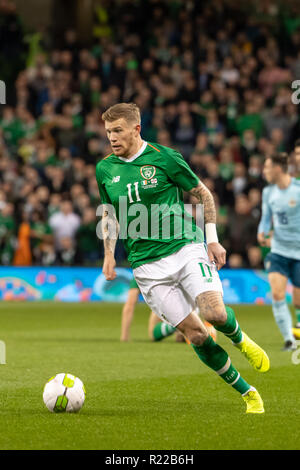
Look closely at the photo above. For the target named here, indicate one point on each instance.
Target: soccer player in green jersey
(141, 189)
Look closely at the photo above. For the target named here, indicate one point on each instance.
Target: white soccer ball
(64, 393)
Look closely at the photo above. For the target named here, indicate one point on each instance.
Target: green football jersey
(147, 195)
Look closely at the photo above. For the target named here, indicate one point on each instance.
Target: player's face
(269, 171)
(122, 136)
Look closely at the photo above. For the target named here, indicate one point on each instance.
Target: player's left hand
(216, 254)
(109, 267)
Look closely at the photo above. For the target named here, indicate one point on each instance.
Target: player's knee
(278, 296)
(216, 316)
(197, 337)
(130, 304)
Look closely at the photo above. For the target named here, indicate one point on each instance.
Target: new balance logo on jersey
(116, 179)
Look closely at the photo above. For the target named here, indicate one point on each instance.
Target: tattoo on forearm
(110, 231)
(206, 198)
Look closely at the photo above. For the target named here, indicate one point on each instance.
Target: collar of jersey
(142, 149)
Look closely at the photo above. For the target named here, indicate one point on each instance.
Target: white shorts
(171, 285)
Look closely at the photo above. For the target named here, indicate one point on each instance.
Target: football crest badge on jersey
(148, 173)
(292, 203)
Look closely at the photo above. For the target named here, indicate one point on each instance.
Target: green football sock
(297, 311)
(231, 328)
(162, 330)
(217, 359)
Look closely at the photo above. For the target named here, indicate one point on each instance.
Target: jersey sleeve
(180, 173)
(266, 216)
(104, 198)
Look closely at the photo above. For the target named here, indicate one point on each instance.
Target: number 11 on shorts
(203, 266)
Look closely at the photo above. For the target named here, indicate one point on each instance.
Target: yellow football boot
(254, 402)
(296, 332)
(256, 356)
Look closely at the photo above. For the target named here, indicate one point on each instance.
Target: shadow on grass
(84, 413)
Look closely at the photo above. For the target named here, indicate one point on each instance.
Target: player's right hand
(108, 268)
(216, 254)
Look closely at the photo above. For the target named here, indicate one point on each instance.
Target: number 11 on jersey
(136, 184)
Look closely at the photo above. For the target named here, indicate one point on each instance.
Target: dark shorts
(288, 267)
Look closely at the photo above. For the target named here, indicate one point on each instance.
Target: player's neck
(284, 181)
(134, 149)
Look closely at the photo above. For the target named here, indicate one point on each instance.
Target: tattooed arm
(110, 231)
(203, 194)
(216, 252)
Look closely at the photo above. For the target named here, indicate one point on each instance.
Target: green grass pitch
(140, 395)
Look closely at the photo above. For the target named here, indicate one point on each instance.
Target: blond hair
(128, 111)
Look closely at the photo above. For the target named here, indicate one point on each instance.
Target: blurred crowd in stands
(212, 79)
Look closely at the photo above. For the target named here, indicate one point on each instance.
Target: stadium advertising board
(89, 284)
